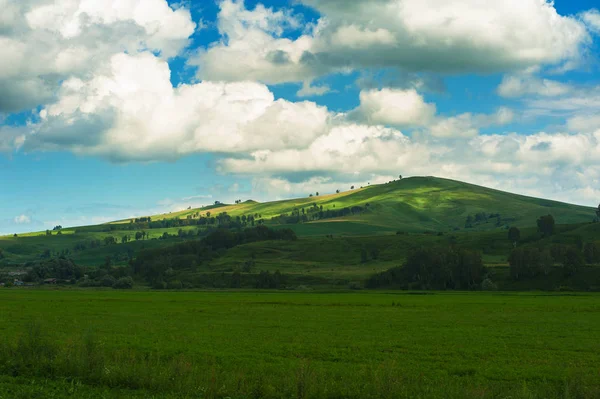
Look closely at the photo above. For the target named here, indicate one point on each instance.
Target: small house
(50, 281)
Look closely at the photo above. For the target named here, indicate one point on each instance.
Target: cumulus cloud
(132, 112)
(123, 106)
(394, 107)
(526, 84)
(43, 43)
(560, 165)
(414, 35)
(592, 19)
(252, 47)
(309, 90)
(584, 123)
(406, 108)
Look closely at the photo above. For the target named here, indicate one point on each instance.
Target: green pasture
(103, 344)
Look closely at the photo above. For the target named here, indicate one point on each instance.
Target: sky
(118, 108)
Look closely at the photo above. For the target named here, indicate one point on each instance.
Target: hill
(413, 205)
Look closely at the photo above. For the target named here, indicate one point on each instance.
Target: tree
(208, 214)
(573, 261)
(352, 188)
(236, 280)
(469, 222)
(529, 262)
(375, 253)
(317, 194)
(48, 233)
(310, 195)
(514, 235)
(138, 235)
(364, 256)
(400, 177)
(591, 252)
(545, 225)
(598, 212)
(123, 283)
(337, 191)
(107, 281)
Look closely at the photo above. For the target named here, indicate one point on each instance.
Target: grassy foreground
(99, 344)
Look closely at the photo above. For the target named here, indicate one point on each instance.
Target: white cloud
(132, 112)
(395, 107)
(455, 126)
(407, 108)
(584, 123)
(592, 19)
(527, 84)
(416, 35)
(22, 219)
(467, 125)
(252, 47)
(562, 166)
(43, 43)
(580, 104)
(308, 90)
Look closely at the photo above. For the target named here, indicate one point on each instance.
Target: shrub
(573, 261)
(488, 285)
(591, 252)
(107, 281)
(123, 283)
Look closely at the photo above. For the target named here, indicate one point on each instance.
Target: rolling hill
(412, 205)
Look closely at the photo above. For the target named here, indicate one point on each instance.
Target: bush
(107, 281)
(488, 285)
(591, 252)
(123, 283)
(573, 262)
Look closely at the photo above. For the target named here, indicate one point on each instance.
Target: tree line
(160, 265)
(439, 268)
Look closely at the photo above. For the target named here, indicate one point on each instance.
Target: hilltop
(413, 204)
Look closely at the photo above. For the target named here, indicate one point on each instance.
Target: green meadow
(98, 344)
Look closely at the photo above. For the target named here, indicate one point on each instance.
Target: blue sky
(112, 109)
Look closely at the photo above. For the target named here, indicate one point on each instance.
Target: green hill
(412, 205)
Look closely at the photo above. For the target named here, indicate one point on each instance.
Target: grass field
(99, 344)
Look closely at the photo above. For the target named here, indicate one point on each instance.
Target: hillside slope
(413, 204)
(419, 204)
